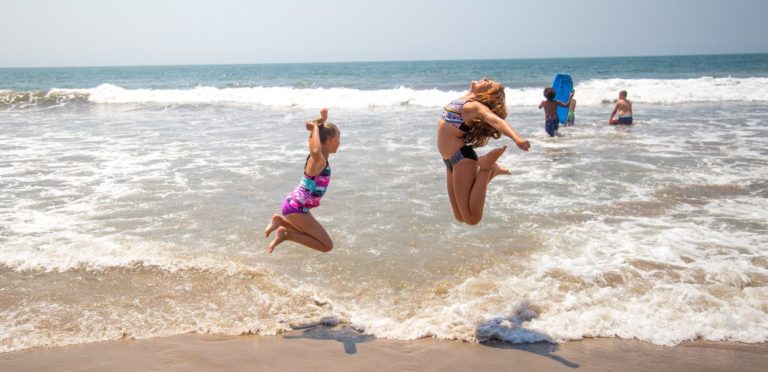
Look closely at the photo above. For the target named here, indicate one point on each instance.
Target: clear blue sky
(160, 32)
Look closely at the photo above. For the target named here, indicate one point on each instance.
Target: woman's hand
(522, 143)
(310, 125)
(324, 115)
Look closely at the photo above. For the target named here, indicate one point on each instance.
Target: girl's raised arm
(316, 161)
(485, 114)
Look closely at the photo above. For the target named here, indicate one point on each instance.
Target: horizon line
(387, 61)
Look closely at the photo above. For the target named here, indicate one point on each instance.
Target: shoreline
(324, 348)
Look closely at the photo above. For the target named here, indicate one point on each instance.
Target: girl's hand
(522, 143)
(310, 125)
(324, 114)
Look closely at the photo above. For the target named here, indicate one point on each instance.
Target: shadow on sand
(544, 349)
(493, 332)
(348, 336)
(508, 333)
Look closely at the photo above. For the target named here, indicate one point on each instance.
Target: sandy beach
(343, 349)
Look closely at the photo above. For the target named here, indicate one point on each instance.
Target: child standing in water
(296, 222)
(571, 119)
(551, 122)
(623, 108)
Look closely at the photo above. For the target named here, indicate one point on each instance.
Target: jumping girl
(469, 122)
(296, 222)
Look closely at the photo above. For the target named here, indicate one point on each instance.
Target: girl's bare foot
(487, 161)
(281, 235)
(498, 169)
(273, 224)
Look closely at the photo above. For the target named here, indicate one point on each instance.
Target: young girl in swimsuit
(468, 122)
(296, 222)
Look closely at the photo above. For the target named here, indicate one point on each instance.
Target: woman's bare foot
(282, 234)
(273, 224)
(498, 169)
(487, 161)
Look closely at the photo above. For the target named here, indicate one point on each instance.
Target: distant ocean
(133, 201)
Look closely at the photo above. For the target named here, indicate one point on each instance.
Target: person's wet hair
(549, 93)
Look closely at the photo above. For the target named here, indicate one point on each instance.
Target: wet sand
(343, 349)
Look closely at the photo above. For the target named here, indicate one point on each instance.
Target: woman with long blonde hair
(468, 122)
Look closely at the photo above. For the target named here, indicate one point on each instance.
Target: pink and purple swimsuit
(308, 192)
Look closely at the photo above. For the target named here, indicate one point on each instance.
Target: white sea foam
(590, 92)
(274, 96)
(245, 307)
(660, 91)
(604, 281)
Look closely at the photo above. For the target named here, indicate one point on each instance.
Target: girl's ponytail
(327, 130)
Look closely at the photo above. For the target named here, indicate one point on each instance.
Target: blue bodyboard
(563, 86)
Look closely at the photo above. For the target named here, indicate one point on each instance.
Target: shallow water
(145, 218)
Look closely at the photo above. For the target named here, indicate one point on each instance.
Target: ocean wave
(589, 92)
(554, 305)
(275, 96)
(656, 91)
(41, 98)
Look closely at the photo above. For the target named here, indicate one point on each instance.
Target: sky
(39, 33)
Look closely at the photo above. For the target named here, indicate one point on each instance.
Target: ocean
(133, 202)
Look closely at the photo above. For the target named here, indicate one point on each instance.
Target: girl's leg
(470, 183)
(452, 196)
(274, 223)
(306, 231)
(498, 169)
(277, 221)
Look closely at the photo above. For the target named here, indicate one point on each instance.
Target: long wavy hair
(481, 132)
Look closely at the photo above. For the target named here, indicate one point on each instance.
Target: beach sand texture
(342, 349)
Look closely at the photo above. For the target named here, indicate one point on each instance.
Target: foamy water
(590, 92)
(144, 218)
